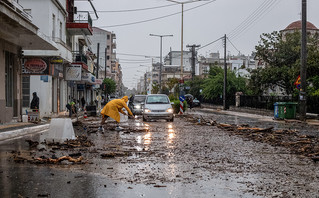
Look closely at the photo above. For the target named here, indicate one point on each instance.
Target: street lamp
(182, 30)
(160, 74)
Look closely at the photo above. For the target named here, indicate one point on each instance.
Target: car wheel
(171, 120)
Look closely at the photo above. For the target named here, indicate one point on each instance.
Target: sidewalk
(16, 129)
(312, 119)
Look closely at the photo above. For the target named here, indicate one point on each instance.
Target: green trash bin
(285, 110)
(279, 110)
(290, 110)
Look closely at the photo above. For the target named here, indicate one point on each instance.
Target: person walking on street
(35, 102)
(131, 103)
(83, 102)
(113, 108)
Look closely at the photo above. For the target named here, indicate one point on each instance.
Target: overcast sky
(243, 21)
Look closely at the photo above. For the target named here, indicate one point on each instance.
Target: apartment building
(68, 75)
(18, 33)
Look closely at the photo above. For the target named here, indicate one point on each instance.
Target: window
(25, 91)
(53, 26)
(9, 62)
(61, 31)
(157, 100)
(108, 37)
(139, 99)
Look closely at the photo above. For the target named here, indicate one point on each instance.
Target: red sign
(35, 65)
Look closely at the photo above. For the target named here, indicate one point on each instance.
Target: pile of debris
(305, 145)
(80, 142)
(46, 160)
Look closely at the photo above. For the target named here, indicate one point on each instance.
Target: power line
(127, 62)
(253, 18)
(233, 45)
(134, 10)
(157, 18)
(133, 60)
(265, 7)
(210, 43)
(125, 54)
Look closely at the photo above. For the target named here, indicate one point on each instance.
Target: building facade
(18, 33)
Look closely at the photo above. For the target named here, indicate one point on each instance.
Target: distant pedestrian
(83, 102)
(35, 102)
(131, 102)
(71, 107)
(112, 109)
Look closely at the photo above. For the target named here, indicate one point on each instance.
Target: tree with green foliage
(213, 86)
(281, 53)
(155, 88)
(109, 86)
(171, 83)
(195, 86)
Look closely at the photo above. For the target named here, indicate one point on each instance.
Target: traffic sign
(182, 98)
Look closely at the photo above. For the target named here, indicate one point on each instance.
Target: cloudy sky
(243, 21)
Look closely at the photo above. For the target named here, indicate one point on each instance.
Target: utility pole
(225, 105)
(161, 63)
(105, 70)
(105, 63)
(97, 62)
(303, 68)
(193, 58)
(182, 29)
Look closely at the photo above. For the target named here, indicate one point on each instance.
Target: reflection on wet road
(159, 159)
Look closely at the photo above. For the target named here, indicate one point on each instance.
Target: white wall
(44, 92)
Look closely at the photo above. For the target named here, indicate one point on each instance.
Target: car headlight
(169, 110)
(137, 106)
(147, 110)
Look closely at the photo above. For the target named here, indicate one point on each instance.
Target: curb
(21, 132)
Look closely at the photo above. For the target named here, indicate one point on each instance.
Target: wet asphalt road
(160, 159)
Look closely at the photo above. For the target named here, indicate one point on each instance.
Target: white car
(156, 107)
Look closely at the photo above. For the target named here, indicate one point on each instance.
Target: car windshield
(139, 99)
(157, 100)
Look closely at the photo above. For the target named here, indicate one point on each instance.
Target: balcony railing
(83, 17)
(18, 8)
(79, 57)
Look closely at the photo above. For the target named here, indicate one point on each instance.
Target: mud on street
(194, 156)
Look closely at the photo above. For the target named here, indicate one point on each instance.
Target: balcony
(81, 59)
(113, 45)
(82, 23)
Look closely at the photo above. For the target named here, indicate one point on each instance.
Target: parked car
(137, 104)
(156, 107)
(196, 103)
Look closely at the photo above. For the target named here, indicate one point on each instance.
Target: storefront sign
(98, 81)
(73, 73)
(88, 78)
(56, 61)
(35, 66)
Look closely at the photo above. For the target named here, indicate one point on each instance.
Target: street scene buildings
(55, 58)
(90, 108)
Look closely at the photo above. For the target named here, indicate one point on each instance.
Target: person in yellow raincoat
(112, 109)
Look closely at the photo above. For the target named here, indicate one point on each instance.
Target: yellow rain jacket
(113, 108)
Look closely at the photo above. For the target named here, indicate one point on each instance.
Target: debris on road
(60, 159)
(298, 144)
